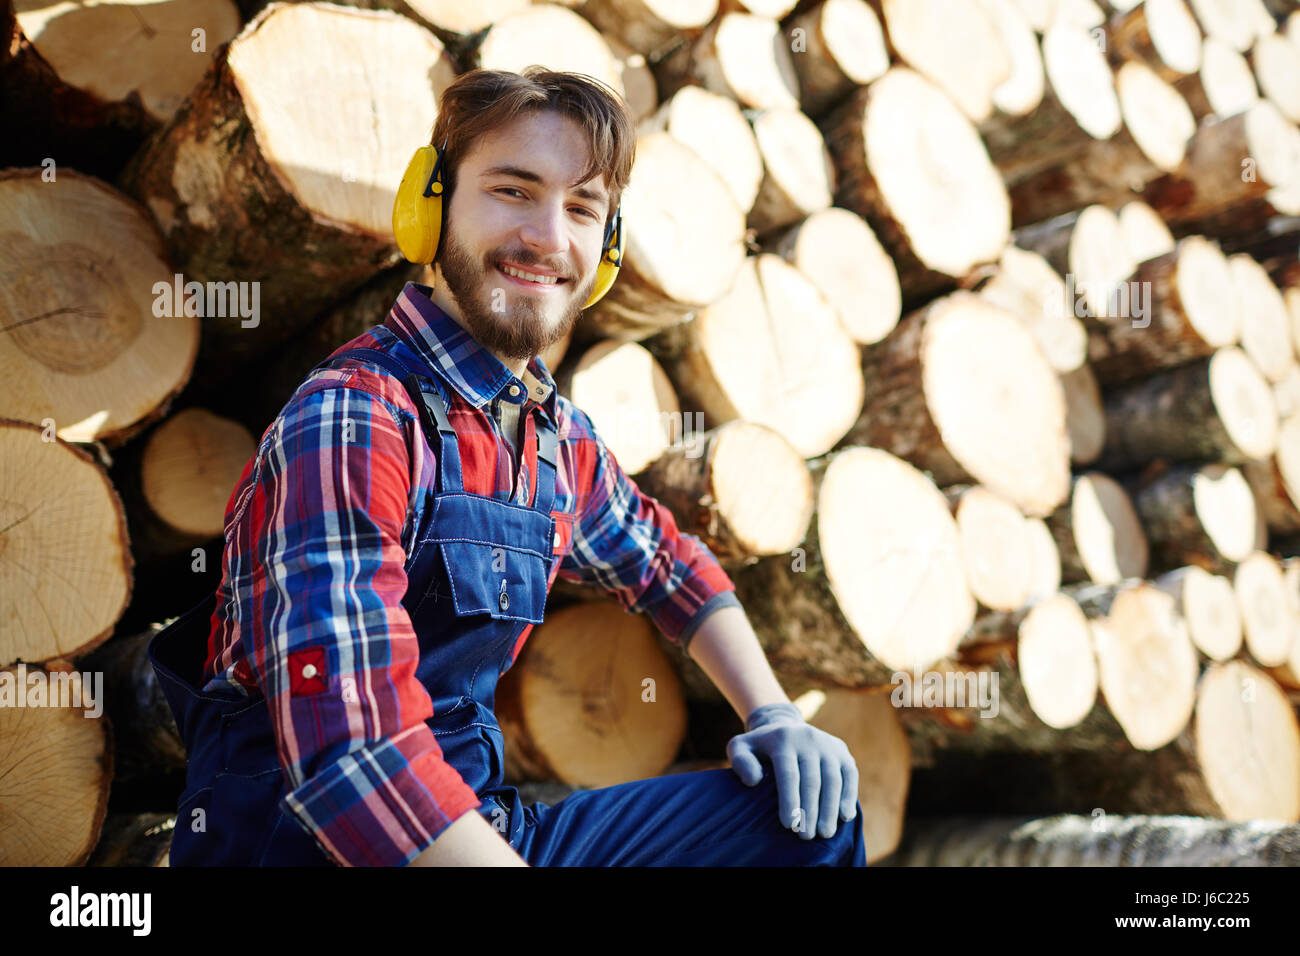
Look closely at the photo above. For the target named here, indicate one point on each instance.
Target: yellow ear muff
(417, 210)
(611, 257)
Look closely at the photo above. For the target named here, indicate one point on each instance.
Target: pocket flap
(506, 583)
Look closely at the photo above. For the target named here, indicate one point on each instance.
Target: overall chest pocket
(507, 583)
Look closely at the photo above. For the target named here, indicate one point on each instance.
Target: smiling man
(391, 545)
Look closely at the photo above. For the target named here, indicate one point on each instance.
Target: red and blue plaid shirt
(336, 518)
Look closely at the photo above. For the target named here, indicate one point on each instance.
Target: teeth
(519, 273)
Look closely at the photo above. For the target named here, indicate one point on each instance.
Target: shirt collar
(473, 371)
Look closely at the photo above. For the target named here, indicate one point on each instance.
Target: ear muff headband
(417, 219)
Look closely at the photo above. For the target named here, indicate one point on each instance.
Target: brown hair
(482, 100)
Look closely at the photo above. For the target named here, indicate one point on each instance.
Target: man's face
(516, 207)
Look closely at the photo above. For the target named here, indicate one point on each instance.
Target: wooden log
(649, 26)
(1235, 178)
(741, 488)
(1265, 321)
(995, 547)
(638, 80)
(1085, 416)
(1268, 615)
(956, 46)
(1223, 86)
(1161, 34)
(838, 45)
(1078, 105)
(176, 484)
(887, 139)
(72, 566)
(868, 724)
(235, 160)
(1045, 561)
(1276, 63)
(1157, 127)
(1021, 92)
(86, 85)
(146, 741)
(1108, 839)
(837, 251)
(134, 839)
(798, 176)
(554, 36)
(788, 330)
(1198, 514)
(877, 586)
(1088, 248)
(82, 263)
(685, 251)
(1145, 234)
(1238, 23)
(1025, 285)
(1180, 306)
(1097, 532)
(1079, 13)
(591, 700)
(1208, 603)
(57, 765)
(1213, 409)
(937, 382)
(715, 128)
(1275, 480)
(739, 55)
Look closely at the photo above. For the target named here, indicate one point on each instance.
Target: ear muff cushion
(417, 219)
(611, 258)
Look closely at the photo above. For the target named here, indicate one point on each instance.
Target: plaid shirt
(318, 530)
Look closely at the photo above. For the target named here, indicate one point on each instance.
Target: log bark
(81, 262)
(741, 488)
(146, 741)
(650, 26)
(1198, 514)
(929, 400)
(1213, 409)
(1107, 839)
(86, 85)
(876, 587)
(886, 139)
(842, 46)
(238, 202)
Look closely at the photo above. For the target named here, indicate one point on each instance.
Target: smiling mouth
(528, 283)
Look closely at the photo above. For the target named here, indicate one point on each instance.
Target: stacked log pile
(965, 335)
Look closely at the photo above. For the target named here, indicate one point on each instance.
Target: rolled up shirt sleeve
(628, 544)
(333, 647)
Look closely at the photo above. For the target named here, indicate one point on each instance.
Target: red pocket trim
(300, 686)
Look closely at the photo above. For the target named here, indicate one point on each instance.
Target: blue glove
(816, 776)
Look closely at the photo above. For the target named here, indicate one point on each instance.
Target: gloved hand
(816, 776)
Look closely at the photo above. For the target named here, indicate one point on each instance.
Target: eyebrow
(518, 172)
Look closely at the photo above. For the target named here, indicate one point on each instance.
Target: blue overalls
(478, 574)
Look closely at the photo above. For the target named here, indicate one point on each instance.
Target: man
(390, 547)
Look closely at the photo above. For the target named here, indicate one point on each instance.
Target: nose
(545, 231)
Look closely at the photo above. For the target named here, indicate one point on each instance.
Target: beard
(520, 330)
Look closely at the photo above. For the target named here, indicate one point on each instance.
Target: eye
(508, 189)
(587, 211)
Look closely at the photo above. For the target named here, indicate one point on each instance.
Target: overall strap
(433, 413)
(546, 468)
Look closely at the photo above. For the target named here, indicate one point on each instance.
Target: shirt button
(309, 671)
(503, 601)
(555, 542)
(514, 389)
